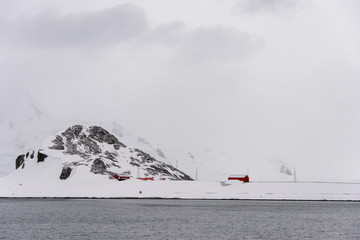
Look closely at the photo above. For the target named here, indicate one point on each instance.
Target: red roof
(244, 178)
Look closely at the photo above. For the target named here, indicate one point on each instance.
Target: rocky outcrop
(19, 161)
(101, 135)
(98, 166)
(90, 146)
(72, 132)
(65, 173)
(41, 157)
(85, 143)
(58, 143)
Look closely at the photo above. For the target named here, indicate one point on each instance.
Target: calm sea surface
(177, 219)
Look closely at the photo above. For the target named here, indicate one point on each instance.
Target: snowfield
(42, 180)
(81, 149)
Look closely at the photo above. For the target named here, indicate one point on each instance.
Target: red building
(244, 178)
(147, 178)
(121, 178)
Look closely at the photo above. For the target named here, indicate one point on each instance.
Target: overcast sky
(260, 79)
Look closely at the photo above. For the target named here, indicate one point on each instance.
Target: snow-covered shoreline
(102, 187)
(160, 198)
(42, 180)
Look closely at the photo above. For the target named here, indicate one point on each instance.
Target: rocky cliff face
(100, 151)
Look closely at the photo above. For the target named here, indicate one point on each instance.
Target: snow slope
(24, 124)
(42, 178)
(44, 182)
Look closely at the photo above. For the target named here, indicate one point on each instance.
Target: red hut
(121, 178)
(147, 178)
(238, 177)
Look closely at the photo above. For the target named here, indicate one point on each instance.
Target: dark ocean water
(177, 219)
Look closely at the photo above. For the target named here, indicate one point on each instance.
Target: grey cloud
(93, 28)
(168, 34)
(216, 45)
(201, 45)
(267, 6)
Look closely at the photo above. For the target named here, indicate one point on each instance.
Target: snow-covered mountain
(202, 164)
(24, 124)
(101, 152)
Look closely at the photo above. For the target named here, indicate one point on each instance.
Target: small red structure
(162, 179)
(121, 178)
(147, 178)
(244, 178)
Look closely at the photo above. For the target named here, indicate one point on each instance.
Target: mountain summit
(99, 152)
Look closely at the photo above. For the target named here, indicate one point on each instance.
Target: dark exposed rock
(19, 161)
(32, 154)
(111, 155)
(79, 164)
(156, 166)
(101, 135)
(134, 160)
(71, 148)
(91, 147)
(41, 157)
(159, 169)
(98, 166)
(115, 165)
(185, 177)
(65, 173)
(135, 164)
(58, 143)
(145, 157)
(75, 137)
(72, 132)
(27, 154)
